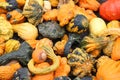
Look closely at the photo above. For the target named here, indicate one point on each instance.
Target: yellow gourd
(26, 31)
(113, 24)
(96, 26)
(11, 45)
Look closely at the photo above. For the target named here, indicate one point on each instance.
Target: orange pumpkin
(116, 50)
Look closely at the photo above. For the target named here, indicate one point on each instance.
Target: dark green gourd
(22, 74)
(74, 38)
(51, 29)
(78, 24)
(23, 55)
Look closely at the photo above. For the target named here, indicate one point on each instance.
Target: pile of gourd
(59, 40)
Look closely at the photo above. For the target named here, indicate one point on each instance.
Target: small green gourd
(78, 24)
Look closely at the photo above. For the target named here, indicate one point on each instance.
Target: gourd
(26, 31)
(23, 55)
(103, 42)
(113, 24)
(66, 13)
(51, 29)
(6, 72)
(91, 43)
(33, 11)
(108, 66)
(115, 50)
(15, 16)
(81, 62)
(6, 30)
(22, 74)
(109, 10)
(50, 15)
(96, 26)
(78, 24)
(11, 45)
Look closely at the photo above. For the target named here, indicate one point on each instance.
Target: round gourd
(96, 26)
(78, 24)
(110, 10)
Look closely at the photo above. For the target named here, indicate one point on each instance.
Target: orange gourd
(63, 69)
(116, 50)
(7, 71)
(39, 55)
(109, 10)
(108, 70)
(15, 16)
